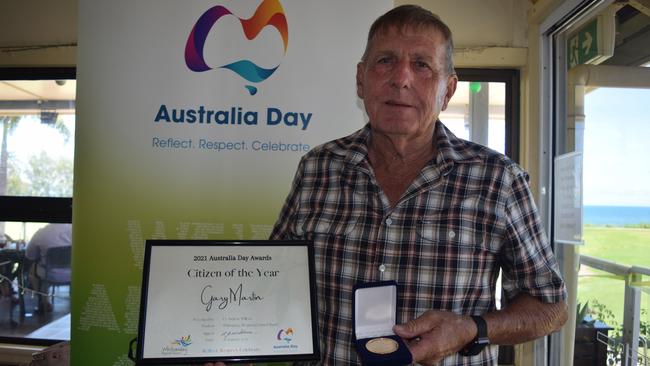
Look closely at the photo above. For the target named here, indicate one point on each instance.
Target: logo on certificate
(183, 341)
(285, 338)
(178, 346)
(285, 335)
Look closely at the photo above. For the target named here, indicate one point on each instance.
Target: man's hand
(436, 334)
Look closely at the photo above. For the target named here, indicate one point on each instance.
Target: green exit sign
(584, 46)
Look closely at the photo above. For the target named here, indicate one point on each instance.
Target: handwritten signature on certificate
(233, 297)
(229, 333)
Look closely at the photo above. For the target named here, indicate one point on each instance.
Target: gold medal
(382, 346)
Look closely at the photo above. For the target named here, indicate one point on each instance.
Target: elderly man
(404, 199)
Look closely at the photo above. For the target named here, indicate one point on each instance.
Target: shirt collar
(450, 149)
(352, 148)
(453, 149)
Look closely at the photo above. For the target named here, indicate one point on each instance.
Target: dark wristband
(480, 341)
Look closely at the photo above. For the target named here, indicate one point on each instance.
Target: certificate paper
(227, 301)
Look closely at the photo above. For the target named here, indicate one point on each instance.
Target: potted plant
(588, 349)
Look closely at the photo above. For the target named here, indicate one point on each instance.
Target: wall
(488, 33)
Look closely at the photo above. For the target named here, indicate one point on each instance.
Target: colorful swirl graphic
(183, 341)
(268, 13)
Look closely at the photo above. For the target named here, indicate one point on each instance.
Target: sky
(616, 157)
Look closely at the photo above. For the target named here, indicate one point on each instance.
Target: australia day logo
(268, 13)
(285, 340)
(285, 335)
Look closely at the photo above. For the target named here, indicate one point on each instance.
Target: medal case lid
(375, 309)
(375, 314)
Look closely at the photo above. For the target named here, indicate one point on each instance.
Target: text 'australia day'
(231, 116)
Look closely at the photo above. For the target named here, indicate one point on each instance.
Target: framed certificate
(231, 301)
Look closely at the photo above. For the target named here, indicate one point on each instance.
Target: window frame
(59, 209)
(512, 116)
(29, 208)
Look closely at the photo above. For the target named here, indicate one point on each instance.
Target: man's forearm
(524, 319)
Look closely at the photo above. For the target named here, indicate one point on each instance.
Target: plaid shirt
(468, 213)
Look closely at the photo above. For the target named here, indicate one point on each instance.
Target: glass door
(602, 93)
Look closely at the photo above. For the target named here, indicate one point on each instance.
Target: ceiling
(632, 44)
(34, 96)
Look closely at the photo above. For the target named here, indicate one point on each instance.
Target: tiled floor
(34, 324)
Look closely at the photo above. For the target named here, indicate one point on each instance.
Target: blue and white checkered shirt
(468, 214)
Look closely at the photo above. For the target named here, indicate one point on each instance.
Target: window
(36, 158)
(485, 109)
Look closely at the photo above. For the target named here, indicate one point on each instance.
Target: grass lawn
(628, 246)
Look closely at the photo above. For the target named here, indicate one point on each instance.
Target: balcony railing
(633, 277)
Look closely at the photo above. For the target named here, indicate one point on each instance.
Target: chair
(11, 269)
(56, 269)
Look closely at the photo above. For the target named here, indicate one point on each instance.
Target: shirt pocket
(466, 227)
(329, 225)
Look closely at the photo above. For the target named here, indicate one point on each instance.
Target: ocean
(616, 215)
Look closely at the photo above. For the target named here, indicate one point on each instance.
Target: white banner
(191, 118)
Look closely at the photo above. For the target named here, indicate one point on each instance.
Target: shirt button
(452, 235)
(382, 268)
(389, 221)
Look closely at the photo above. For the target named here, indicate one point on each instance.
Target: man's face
(404, 81)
